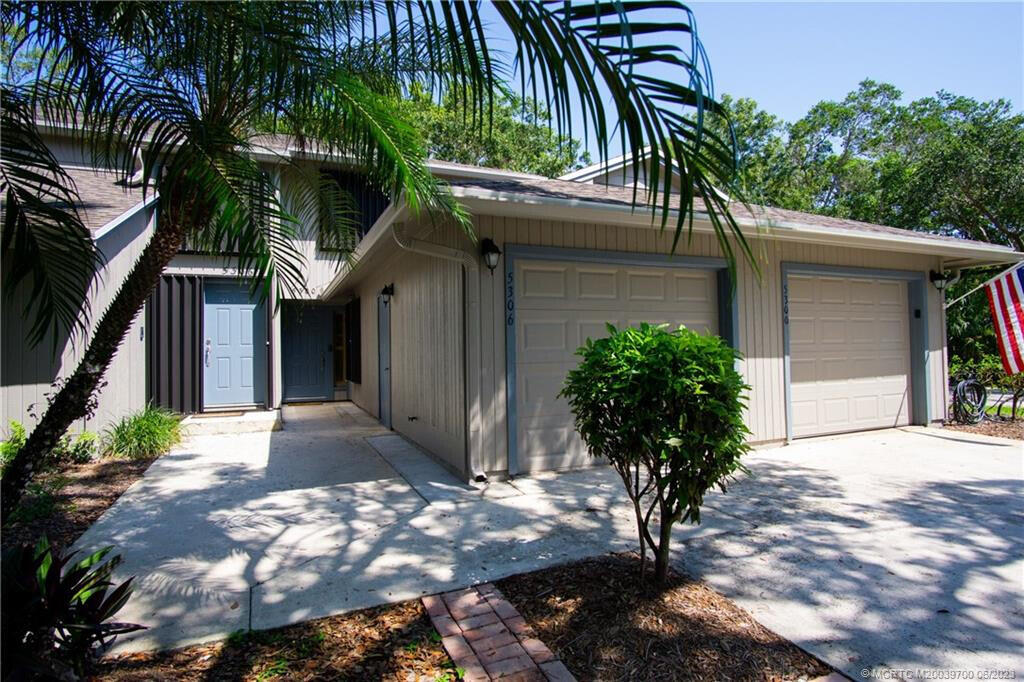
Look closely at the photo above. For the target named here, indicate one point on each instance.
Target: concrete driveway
(898, 549)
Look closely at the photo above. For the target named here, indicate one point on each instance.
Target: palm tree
(192, 85)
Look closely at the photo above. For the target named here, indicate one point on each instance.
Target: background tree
(665, 408)
(945, 164)
(192, 84)
(518, 135)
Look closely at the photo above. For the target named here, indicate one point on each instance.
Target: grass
(148, 433)
(1005, 410)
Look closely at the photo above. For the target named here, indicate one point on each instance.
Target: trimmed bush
(665, 409)
(148, 433)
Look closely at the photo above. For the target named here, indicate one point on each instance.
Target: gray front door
(234, 346)
(306, 352)
(384, 360)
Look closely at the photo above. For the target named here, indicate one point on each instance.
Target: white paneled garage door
(561, 304)
(849, 343)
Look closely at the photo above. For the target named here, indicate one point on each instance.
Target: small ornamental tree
(665, 409)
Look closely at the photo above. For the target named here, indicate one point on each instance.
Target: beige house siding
(26, 373)
(759, 309)
(427, 365)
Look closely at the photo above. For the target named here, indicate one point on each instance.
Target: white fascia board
(595, 170)
(512, 204)
(111, 225)
(444, 168)
(380, 229)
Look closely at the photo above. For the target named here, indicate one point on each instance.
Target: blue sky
(789, 56)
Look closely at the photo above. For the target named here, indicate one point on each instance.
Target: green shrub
(55, 612)
(78, 450)
(665, 409)
(148, 433)
(989, 370)
(14, 441)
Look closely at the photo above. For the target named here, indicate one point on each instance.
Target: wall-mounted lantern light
(942, 279)
(491, 253)
(387, 292)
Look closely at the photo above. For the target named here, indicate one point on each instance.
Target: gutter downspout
(471, 338)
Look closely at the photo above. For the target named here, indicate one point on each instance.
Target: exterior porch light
(942, 279)
(387, 292)
(491, 253)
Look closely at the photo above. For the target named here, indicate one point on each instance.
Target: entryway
(234, 346)
(313, 352)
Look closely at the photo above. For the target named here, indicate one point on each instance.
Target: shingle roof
(604, 194)
(103, 197)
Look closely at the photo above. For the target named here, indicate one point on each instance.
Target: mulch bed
(1003, 429)
(392, 642)
(603, 626)
(82, 492)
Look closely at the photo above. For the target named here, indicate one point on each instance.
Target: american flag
(1006, 300)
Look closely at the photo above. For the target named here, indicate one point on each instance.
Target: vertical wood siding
(26, 373)
(427, 370)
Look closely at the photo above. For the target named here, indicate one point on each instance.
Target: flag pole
(983, 285)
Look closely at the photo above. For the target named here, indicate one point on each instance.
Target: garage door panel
(545, 335)
(645, 286)
(542, 282)
(559, 306)
(801, 330)
(801, 289)
(865, 408)
(693, 288)
(835, 411)
(830, 330)
(849, 354)
(538, 388)
(597, 284)
(833, 291)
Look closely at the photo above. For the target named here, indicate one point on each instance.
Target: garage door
(558, 306)
(849, 343)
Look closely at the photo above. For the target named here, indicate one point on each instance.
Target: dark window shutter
(353, 342)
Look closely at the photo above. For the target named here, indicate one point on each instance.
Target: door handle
(206, 353)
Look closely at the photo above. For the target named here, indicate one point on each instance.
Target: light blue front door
(306, 352)
(234, 346)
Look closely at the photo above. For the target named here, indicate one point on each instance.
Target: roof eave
(579, 210)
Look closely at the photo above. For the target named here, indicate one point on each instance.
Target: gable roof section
(106, 202)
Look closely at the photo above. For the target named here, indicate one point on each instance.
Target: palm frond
(45, 244)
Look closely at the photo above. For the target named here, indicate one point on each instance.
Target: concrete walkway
(898, 548)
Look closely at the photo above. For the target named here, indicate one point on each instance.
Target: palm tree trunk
(72, 399)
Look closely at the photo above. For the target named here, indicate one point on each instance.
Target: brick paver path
(485, 635)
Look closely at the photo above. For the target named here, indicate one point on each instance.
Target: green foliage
(82, 449)
(56, 610)
(944, 164)
(40, 500)
(665, 408)
(988, 370)
(77, 450)
(12, 443)
(517, 136)
(150, 432)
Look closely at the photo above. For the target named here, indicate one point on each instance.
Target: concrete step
(213, 424)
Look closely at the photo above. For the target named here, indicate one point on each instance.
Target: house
(841, 327)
